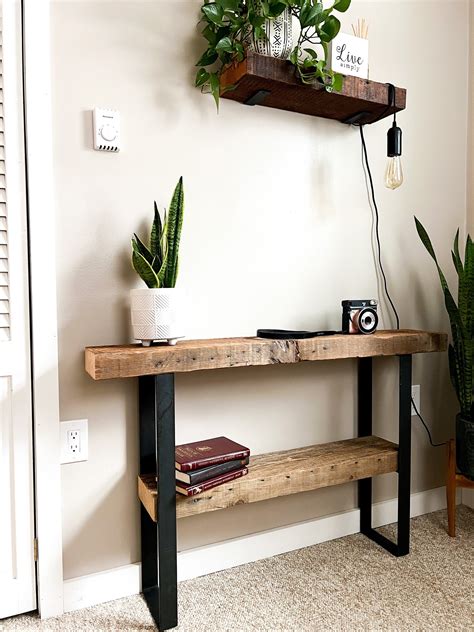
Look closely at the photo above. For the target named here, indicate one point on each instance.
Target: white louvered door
(17, 565)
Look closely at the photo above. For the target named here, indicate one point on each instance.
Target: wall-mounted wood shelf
(287, 472)
(287, 92)
(104, 363)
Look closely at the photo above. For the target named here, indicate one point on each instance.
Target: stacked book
(203, 465)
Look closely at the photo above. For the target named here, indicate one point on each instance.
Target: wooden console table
(270, 475)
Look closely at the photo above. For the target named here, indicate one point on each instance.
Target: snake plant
(461, 317)
(157, 263)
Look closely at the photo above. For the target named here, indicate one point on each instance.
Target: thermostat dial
(108, 133)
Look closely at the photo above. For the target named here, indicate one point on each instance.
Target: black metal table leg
(364, 427)
(158, 541)
(402, 546)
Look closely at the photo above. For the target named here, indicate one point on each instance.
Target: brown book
(192, 456)
(192, 490)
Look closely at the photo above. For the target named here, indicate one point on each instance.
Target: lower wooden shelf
(287, 472)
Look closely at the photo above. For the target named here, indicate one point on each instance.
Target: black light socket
(394, 141)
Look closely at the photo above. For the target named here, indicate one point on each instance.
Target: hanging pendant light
(394, 172)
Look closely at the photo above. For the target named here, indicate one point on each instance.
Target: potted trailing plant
(231, 27)
(461, 349)
(156, 309)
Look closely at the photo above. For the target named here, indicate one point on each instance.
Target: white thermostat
(106, 129)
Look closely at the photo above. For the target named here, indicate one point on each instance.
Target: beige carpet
(346, 584)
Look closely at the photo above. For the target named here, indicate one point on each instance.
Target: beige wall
(276, 233)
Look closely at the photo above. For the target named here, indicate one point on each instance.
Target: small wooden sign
(349, 55)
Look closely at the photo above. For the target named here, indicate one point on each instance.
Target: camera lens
(367, 321)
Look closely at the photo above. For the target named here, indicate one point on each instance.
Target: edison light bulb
(394, 173)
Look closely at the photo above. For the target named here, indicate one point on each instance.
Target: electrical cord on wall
(366, 166)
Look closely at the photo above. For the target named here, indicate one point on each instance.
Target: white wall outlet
(106, 129)
(74, 441)
(415, 395)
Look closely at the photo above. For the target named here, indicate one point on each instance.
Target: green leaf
(144, 270)
(213, 13)
(155, 235)
(451, 307)
(329, 29)
(325, 49)
(201, 77)
(225, 45)
(173, 232)
(140, 247)
(256, 20)
(214, 84)
(342, 5)
(207, 58)
(228, 5)
(294, 56)
(466, 289)
(259, 33)
(275, 9)
(310, 14)
(337, 82)
(458, 265)
(311, 52)
(240, 51)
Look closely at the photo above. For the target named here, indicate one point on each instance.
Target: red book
(192, 456)
(197, 488)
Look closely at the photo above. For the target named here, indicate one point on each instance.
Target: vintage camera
(359, 317)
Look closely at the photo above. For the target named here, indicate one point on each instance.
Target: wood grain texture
(287, 92)
(104, 363)
(288, 472)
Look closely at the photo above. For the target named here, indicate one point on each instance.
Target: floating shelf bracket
(257, 98)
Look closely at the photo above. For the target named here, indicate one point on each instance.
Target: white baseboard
(468, 497)
(90, 590)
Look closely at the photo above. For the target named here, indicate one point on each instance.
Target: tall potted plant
(461, 349)
(156, 309)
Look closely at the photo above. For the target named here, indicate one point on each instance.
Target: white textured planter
(156, 315)
(279, 41)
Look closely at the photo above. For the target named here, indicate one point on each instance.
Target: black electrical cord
(435, 445)
(377, 222)
(382, 271)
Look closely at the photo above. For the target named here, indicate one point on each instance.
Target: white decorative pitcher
(279, 42)
(156, 315)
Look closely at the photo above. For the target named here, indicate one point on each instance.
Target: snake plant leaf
(162, 273)
(173, 234)
(458, 264)
(144, 270)
(140, 247)
(155, 236)
(455, 374)
(468, 287)
(449, 301)
(461, 316)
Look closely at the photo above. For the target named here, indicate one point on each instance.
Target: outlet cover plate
(81, 453)
(415, 395)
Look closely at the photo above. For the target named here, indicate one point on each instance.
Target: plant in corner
(461, 349)
(156, 308)
(231, 27)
